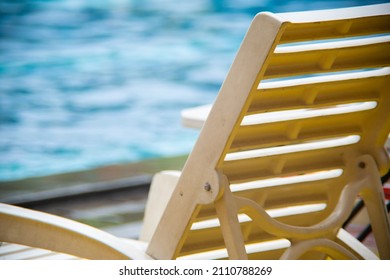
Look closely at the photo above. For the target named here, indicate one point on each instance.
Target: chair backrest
(295, 134)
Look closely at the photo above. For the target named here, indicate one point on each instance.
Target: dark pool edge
(100, 181)
(79, 191)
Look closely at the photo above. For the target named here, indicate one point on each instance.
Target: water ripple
(89, 83)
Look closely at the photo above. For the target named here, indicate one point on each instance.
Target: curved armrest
(46, 231)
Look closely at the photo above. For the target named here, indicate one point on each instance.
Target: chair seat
(10, 251)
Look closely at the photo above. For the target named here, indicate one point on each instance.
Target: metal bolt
(207, 187)
(362, 165)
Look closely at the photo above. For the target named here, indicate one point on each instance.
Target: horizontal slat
(280, 181)
(330, 15)
(319, 58)
(279, 165)
(294, 148)
(319, 91)
(324, 79)
(332, 44)
(307, 113)
(336, 29)
(324, 24)
(257, 137)
(272, 134)
(250, 249)
(311, 192)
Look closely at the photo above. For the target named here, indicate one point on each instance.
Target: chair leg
(373, 197)
(359, 206)
(230, 226)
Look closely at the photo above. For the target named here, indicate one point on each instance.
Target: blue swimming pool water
(86, 83)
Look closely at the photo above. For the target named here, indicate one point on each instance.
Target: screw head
(207, 187)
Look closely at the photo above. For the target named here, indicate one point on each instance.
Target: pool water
(92, 83)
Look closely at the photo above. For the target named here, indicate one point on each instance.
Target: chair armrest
(195, 117)
(161, 189)
(46, 231)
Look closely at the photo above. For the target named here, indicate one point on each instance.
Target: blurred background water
(99, 82)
